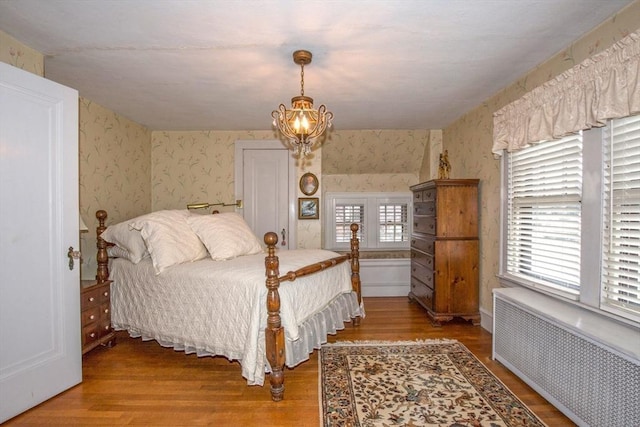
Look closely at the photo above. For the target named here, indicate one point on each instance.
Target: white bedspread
(219, 307)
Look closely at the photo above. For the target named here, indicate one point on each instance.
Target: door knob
(71, 254)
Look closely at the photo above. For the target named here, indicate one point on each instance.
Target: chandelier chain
(302, 79)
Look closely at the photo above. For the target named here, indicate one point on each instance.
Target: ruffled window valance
(602, 87)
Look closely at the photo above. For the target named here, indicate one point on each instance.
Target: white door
(265, 181)
(40, 343)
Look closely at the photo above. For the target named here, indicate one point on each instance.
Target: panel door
(40, 343)
(266, 184)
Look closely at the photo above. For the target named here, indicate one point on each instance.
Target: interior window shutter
(544, 213)
(345, 215)
(621, 235)
(393, 222)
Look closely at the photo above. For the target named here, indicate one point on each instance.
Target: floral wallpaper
(372, 182)
(431, 159)
(357, 152)
(470, 138)
(115, 171)
(191, 166)
(19, 55)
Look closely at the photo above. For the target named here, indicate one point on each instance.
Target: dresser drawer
(90, 333)
(422, 258)
(422, 273)
(424, 224)
(91, 298)
(425, 195)
(424, 208)
(90, 315)
(422, 292)
(424, 244)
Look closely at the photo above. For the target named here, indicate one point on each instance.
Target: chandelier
(301, 124)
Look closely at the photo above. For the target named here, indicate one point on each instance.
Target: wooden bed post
(102, 273)
(355, 268)
(274, 332)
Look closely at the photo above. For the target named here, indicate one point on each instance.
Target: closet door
(266, 182)
(40, 349)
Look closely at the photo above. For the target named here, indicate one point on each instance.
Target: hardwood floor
(144, 384)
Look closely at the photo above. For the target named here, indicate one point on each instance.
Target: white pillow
(118, 252)
(169, 238)
(226, 235)
(130, 241)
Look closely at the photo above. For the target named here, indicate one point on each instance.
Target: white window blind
(621, 228)
(544, 213)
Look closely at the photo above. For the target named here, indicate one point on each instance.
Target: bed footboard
(274, 332)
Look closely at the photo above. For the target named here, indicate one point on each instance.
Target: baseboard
(486, 319)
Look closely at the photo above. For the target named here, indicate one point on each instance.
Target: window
(384, 220)
(543, 239)
(571, 217)
(621, 228)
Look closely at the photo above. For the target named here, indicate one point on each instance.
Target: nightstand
(95, 304)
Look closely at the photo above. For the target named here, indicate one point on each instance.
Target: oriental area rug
(417, 383)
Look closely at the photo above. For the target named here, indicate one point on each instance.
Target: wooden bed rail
(274, 332)
(314, 268)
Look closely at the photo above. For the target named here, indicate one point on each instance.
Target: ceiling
(225, 65)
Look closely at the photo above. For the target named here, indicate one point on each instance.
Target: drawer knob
(92, 335)
(106, 311)
(92, 317)
(91, 299)
(106, 328)
(106, 294)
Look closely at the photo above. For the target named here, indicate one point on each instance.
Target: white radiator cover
(585, 364)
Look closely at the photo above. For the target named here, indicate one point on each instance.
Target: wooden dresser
(95, 303)
(444, 249)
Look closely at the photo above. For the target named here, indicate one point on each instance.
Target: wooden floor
(141, 383)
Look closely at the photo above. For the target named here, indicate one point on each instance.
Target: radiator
(585, 364)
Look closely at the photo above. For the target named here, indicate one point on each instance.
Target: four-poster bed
(219, 305)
